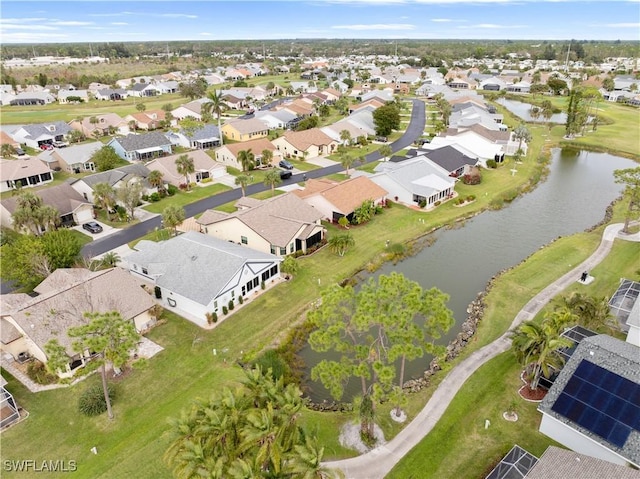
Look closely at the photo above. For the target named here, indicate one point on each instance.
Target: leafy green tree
(630, 178)
(57, 357)
(156, 180)
(345, 137)
(172, 217)
(61, 247)
(24, 261)
(32, 215)
(608, 84)
(75, 136)
(290, 266)
(216, 105)
(386, 119)
(104, 196)
(537, 345)
(535, 112)
(185, 166)
(242, 181)
(247, 160)
(267, 156)
(557, 85)
(340, 243)
(385, 151)
(109, 336)
(7, 150)
(386, 320)
(192, 89)
(130, 195)
(141, 107)
(272, 179)
(105, 158)
(364, 213)
(251, 431)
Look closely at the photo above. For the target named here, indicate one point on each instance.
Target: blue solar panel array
(602, 402)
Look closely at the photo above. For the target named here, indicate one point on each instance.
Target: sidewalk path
(377, 463)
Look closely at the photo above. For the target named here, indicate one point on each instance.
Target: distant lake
(523, 111)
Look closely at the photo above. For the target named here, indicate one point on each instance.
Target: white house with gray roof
(40, 133)
(593, 407)
(205, 137)
(141, 147)
(197, 274)
(114, 178)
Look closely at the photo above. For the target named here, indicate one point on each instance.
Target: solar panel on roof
(602, 402)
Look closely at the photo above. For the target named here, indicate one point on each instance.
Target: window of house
(244, 240)
(145, 271)
(273, 249)
(292, 248)
(283, 251)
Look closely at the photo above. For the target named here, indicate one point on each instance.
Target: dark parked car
(92, 227)
(285, 174)
(285, 164)
(19, 151)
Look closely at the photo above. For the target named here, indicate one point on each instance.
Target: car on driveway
(92, 227)
(19, 151)
(46, 146)
(285, 164)
(60, 144)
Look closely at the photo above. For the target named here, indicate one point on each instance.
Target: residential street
(100, 246)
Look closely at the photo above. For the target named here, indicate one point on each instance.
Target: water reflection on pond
(523, 110)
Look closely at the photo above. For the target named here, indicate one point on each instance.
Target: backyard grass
(183, 198)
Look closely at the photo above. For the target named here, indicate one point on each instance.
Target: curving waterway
(573, 198)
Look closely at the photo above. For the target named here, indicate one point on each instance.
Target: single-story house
(73, 208)
(593, 407)
(111, 94)
(197, 274)
(204, 166)
(9, 411)
(277, 119)
(205, 137)
(101, 125)
(414, 181)
(147, 120)
(228, 153)
(115, 178)
(307, 143)
(74, 159)
(64, 96)
(281, 225)
(28, 171)
(244, 129)
(519, 87)
(32, 98)
(143, 90)
(63, 298)
(472, 145)
(5, 139)
(193, 109)
(38, 134)
(451, 160)
(141, 147)
(335, 200)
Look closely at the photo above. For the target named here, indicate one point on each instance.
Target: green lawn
(183, 198)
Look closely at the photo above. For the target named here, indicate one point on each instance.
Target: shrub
(224, 310)
(438, 203)
(157, 292)
(231, 305)
(206, 180)
(262, 285)
(37, 372)
(471, 197)
(422, 203)
(145, 197)
(272, 360)
(171, 190)
(240, 299)
(492, 164)
(212, 317)
(154, 197)
(92, 402)
(183, 186)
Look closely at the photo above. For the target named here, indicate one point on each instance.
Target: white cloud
(32, 37)
(441, 20)
(492, 26)
(20, 21)
(119, 23)
(176, 15)
(63, 23)
(12, 26)
(205, 34)
(622, 25)
(376, 26)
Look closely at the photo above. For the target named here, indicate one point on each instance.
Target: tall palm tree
(346, 161)
(522, 134)
(345, 136)
(156, 180)
(340, 243)
(216, 106)
(184, 166)
(172, 217)
(33, 215)
(242, 181)
(272, 179)
(267, 156)
(247, 159)
(104, 196)
(546, 110)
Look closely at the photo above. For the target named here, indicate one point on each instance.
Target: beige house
(71, 205)
(335, 200)
(204, 166)
(245, 130)
(228, 154)
(27, 171)
(307, 143)
(281, 225)
(28, 323)
(100, 125)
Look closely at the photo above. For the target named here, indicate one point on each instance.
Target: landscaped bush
(471, 197)
(145, 197)
(157, 292)
(422, 203)
(183, 186)
(206, 180)
(438, 203)
(92, 402)
(231, 305)
(262, 285)
(510, 195)
(240, 299)
(154, 197)
(492, 164)
(212, 317)
(37, 372)
(272, 360)
(171, 190)
(225, 310)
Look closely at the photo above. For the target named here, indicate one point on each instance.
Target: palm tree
(267, 156)
(242, 181)
(172, 217)
(345, 136)
(341, 243)
(346, 161)
(272, 179)
(110, 259)
(535, 112)
(385, 151)
(156, 180)
(522, 133)
(546, 110)
(592, 312)
(247, 159)
(104, 196)
(33, 215)
(215, 105)
(184, 166)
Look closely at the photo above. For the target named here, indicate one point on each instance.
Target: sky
(26, 21)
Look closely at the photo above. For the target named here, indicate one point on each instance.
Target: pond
(574, 197)
(523, 110)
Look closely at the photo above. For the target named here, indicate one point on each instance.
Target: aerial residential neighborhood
(408, 249)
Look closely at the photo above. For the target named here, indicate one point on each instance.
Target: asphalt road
(98, 247)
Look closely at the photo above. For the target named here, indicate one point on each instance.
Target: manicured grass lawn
(183, 198)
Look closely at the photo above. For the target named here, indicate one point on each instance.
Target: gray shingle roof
(62, 197)
(195, 265)
(449, 158)
(118, 174)
(53, 128)
(204, 133)
(418, 175)
(133, 142)
(557, 463)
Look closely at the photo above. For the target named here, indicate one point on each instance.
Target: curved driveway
(100, 246)
(378, 462)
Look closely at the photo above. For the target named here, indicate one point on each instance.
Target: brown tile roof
(8, 332)
(5, 139)
(167, 165)
(298, 109)
(372, 102)
(348, 195)
(493, 135)
(249, 125)
(62, 197)
(256, 146)
(302, 140)
(51, 315)
(21, 168)
(212, 216)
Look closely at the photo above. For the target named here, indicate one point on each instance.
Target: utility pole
(566, 63)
